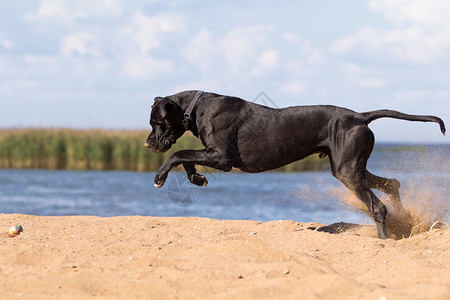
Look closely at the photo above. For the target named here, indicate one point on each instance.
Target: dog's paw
(159, 181)
(159, 184)
(198, 179)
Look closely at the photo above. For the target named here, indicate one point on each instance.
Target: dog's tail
(385, 113)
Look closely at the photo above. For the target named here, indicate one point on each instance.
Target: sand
(193, 258)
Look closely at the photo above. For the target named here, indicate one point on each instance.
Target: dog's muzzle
(162, 147)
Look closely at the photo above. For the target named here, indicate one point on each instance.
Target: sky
(99, 64)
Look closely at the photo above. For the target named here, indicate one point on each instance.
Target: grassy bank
(98, 150)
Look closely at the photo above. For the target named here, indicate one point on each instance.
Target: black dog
(254, 138)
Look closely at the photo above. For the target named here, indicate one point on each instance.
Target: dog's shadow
(337, 228)
(349, 228)
(399, 228)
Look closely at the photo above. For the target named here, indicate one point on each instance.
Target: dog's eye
(157, 125)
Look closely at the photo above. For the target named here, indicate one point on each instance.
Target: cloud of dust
(423, 202)
(423, 192)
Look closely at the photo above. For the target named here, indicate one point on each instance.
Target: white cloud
(266, 61)
(5, 42)
(306, 50)
(351, 68)
(369, 82)
(201, 50)
(125, 47)
(141, 36)
(147, 32)
(81, 43)
(243, 45)
(239, 52)
(250, 53)
(298, 68)
(431, 13)
(408, 96)
(295, 87)
(361, 76)
(81, 9)
(420, 32)
(146, 67)
(411, 44)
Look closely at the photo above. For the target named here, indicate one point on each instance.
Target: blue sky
(99, 64)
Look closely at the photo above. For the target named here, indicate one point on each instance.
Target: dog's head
(166, 120)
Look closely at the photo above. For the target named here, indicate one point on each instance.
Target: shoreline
(135, 257)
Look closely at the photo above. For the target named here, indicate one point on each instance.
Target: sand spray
(424, 204)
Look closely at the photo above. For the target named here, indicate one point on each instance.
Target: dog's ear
(165, 106)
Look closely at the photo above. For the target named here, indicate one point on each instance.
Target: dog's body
(256, 138)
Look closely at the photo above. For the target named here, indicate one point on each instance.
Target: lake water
(312, 196)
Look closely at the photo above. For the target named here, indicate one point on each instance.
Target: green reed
(99, 150)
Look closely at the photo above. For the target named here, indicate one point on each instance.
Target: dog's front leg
(205, 157)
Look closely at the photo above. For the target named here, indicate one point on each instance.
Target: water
(304, 197)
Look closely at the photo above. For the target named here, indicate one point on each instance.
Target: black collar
(188, 112)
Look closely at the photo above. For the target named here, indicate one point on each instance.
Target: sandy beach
(137, 257)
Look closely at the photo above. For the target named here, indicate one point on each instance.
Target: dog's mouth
(168, 142)
(165, 144)
(156, 150)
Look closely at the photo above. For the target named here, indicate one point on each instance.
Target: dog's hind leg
(356, 182)
(388, 186)
(402, 222)
(349, 154)
(193, 176)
